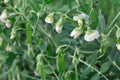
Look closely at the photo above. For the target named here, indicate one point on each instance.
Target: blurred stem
(93, 69)
(10, 70)
(112, 29)
(42, 6)
(76, 71)
(18, 76)
(116, 17)
(25, 75)
(51, 68)
(82, 51)
(77, 2)
(48, 35)
(114, 63)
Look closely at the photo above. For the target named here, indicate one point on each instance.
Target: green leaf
(101, 22)
(84, 7)
(94, 19)
(39, 1)
(10, 59)
(85, 72)
(50, 50)
(105, 67)
(48, 1)
(95, 77)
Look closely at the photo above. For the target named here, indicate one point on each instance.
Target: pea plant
(59, 40)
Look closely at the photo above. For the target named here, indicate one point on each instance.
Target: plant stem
(76, 71)
(116, 17)
(93, 69)
(116, 65)
(51, 68)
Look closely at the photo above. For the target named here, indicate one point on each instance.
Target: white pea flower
(76, 18)
(91, 36)
(8, 23)
(58, 29)
(118, 46)
(80, 18)
(6, 1)
(49, 18)
(82, 15)
(85, 17)
(59, 26)
(76, 32)
(80, 22)
(3, 16)
(8, 48)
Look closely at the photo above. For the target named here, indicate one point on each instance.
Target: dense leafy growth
(59, 40)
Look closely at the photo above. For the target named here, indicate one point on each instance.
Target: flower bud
(91, 36)
(49, 18)
(76, 18)
(80, 22)
(59, 26)
(8, 24)
(3, 16)
(6, 1)
(118, 46)
(80, 19)
(76, 32)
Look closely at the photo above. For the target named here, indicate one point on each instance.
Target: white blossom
(58, 29)
(80, 22)
(49, 18)
(59, 26)
(76, 18)
(79, 18)
(82, 15)
(76, 33)
(118, 46)
(8, 48)
(6, 1)
(91, 36)
(3, 16)
(8, 23)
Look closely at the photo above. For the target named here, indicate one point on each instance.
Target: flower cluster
(50, 19)
(4, 19)
(82, 19)
(90, 35)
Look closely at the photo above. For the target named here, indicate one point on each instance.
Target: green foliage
(33, 47)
